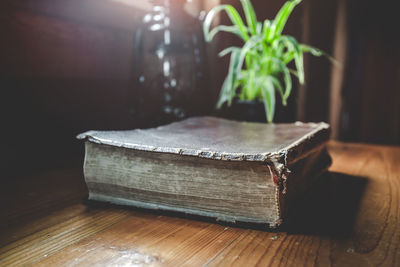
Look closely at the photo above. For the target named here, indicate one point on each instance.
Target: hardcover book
(207, 166)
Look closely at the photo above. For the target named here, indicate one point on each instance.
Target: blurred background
(71, 66)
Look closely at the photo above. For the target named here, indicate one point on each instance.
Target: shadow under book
(228, 170)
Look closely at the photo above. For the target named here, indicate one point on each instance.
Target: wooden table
(351, 218)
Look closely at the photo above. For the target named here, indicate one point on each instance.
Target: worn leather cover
(221, 139)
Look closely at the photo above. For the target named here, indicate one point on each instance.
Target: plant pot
(253, 111)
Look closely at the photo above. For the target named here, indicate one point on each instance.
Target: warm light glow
(192, 8)
(140, 4)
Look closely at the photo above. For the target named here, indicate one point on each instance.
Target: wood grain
(350, 218)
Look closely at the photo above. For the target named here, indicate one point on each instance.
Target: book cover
(229, 170)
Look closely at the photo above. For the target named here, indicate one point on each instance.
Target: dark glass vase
(169, 65)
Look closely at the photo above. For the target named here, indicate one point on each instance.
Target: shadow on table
(329, 208)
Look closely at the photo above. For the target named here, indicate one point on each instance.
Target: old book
(232, 171)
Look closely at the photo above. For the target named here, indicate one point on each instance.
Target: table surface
(351, 217)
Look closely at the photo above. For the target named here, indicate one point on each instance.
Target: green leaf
(293, 46)
(286, 77)
(279, 88)
(288, 57)
(318, 52)
(314, 51)
(250, 15)
(281, 18)
(276, 47)
(229, 86)
(268, 95)
(234, 17)
(237, 20)
(208, 21)
(259, 27)
(293, 72)
(223, 28)
(252, 42)
(251, 88)
(266, 29)
(229, 50)
(298, 60)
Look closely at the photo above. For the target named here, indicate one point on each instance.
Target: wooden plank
(247, 249)
(31, 202)
(144, 238)
(353, 220)
(374, 237)
(116, 243)
(44, 243)
(39, 189)
(27, 227)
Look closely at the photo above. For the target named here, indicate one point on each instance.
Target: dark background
(66, 67)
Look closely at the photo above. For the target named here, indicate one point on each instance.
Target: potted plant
(259, 68)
